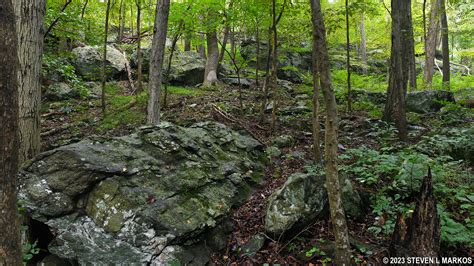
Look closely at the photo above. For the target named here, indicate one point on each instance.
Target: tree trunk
(232, 41)
(338, 218)
(316, 88)
(201, 49)
(267, 76)
(187, 44)
(348, 60)
(398, 77)
(156, 62)
(168, 68)
(83, 11)
(363, 43)
(53, 24)
(210, 73)
(121, 22)
(445, 41)
(411, 54)
(104, 58)
(257, 36)
(131, 20)
(30, 31)
(139, 48)
(224, 43)
(420, 234)
(430, 46)
(274, 77)
(424, 22)
(10, 246)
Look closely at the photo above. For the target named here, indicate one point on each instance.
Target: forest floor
(70, 121)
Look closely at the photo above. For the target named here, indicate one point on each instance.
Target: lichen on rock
(151, 197)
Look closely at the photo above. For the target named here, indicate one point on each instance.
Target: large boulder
(61, 91)
(422, 102)
(159, 196)
(187, 68)
(428, 101)
(302, 199)
(290, 62)
(88, 62)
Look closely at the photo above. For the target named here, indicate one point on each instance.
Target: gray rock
(160, 195)
(428, 101)
(302, 199)
(61, 91)
(284, 141)
(273, 152)
(88, 62)
(254, 245)
(244, 82)
(290, 63)
(187, 68)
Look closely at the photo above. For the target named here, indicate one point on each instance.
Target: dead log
(216, 111)
(418, 235)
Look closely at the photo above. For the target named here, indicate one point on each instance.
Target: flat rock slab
(158, 196)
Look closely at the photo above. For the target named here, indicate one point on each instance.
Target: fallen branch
(129, 74)
(234, 120)
(129, 105)
(56, 130)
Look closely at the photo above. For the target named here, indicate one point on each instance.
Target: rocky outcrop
(428, 101)
(302, 199)
(291, 63)
(158, 196)
(187, 68)
(88, 62)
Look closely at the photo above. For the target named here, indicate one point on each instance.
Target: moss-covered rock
(88, 62)
(302, 199)
(149, 197)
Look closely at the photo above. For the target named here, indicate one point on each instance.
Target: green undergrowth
(117, 113)
(179, 90)
(393, 179)
(134, 116)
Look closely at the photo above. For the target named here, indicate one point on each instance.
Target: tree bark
(10, 245)
(430, 46)
(156, 62)
(212, 62)
(363, 43)
(224, 43)
(187, 44)
(316, 88)
(139, 48)
(200, 48)
(267, 76)
(338, 218)
(348, 59)
(274, 76)
(30, 31)
(104, 57)
(445, 42)
(257, 37)
(424, 22)
(121, 22)
(411, 54)
(395, 106)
